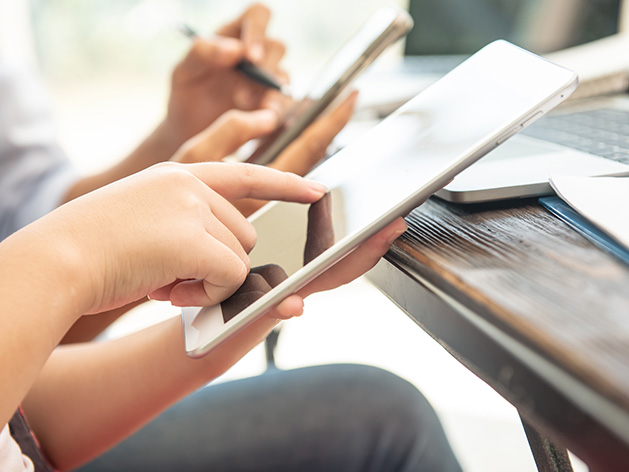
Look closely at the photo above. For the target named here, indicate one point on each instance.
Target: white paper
(602, 200)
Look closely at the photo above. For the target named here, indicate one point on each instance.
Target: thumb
(232, 129)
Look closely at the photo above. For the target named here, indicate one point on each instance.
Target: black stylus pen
(246, 67)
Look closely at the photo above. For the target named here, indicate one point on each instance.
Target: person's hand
(357, 262)
(235, 128)
(311, 146)
(262, 279)
(169, 230)
(223, 137)
(204, 84)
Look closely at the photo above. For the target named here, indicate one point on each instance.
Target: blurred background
(107, 65)
(113, 58)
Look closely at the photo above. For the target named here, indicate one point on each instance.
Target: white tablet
(385, 174)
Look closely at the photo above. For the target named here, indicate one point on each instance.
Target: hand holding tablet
(393, 168)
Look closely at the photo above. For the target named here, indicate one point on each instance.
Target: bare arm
(158, 147)
(39, 300)
(76, 259)
(222, 138)
(204, 85)
(91, 396)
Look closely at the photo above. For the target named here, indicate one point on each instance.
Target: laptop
(586, 137)
(592, 139)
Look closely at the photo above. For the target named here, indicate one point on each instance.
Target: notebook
(600, 238)
(601, 200)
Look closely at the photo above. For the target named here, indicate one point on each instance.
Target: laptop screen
(461, 27)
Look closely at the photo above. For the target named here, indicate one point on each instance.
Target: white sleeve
(35, 174)
(11, 457)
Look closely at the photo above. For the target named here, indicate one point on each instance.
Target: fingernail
(395, 235)
(268, 116)
(274, 104)
(318, 187)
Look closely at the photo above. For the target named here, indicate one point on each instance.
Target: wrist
(167, 138)
(159, 146)
(41, 278)
(40, 292)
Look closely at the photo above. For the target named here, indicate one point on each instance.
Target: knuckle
(248, 175)
(180, 177)
(234, 117)
(166, 166)
(233, 123)
(169, 171)
(196, 210)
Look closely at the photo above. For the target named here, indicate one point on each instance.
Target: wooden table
(532, 308)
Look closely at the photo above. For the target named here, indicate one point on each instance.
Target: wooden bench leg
(548, 456)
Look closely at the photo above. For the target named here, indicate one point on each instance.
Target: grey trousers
(325, 418)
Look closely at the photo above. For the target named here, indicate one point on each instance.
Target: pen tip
(185, 29)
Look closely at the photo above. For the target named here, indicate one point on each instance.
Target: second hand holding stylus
(248, 68)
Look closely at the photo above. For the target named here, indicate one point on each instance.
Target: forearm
(88, 327)
(159, 146)
(91, 396)
(39, 301)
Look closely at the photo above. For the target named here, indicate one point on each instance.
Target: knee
(395, 419)
(382, 395)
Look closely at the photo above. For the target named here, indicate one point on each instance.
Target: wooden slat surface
(523, 269)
